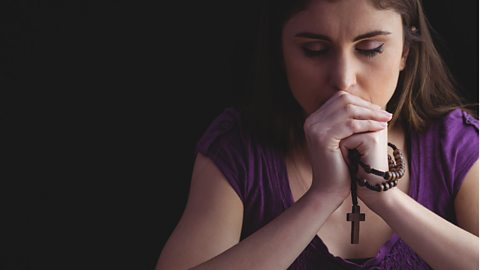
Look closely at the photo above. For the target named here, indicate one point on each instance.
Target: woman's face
(345, 45)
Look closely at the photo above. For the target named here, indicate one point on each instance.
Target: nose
(343, 73)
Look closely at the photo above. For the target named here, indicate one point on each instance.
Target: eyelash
(368, 53)
(373, 52)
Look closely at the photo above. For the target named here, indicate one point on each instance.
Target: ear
(403, 61)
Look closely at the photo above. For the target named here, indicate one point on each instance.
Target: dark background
(101, 106)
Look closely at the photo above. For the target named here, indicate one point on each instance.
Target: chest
(336, 231)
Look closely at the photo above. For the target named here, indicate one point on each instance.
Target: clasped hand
(344, 122)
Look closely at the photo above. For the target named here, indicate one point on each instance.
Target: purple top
(439, 160)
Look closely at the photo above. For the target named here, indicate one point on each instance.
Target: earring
(413, 30)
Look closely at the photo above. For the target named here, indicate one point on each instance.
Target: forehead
(343, 17)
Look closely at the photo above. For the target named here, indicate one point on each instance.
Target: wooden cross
(355, 217)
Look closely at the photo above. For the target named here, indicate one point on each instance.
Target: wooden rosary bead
(396, 170)
(385, 186)
(378, 187)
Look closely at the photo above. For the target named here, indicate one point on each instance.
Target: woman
(271, 183)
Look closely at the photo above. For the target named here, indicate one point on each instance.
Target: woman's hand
(342, 116)
(373, 149)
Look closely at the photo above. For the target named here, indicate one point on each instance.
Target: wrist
(381, 202)
(395, 171)
(325, 199)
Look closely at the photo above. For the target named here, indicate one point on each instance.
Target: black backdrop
(102, 104)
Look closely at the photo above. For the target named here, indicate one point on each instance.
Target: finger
(350, 143)
(364, 113)
(372, 147)
(349, 111)
(347, 98)
(353, 126)
(343, 101)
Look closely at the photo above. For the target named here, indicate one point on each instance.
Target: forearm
(440, 243)
(277, 244)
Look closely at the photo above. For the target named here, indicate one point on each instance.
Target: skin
(342, 64)
(340, 77)
(343, 92)
(343, 72)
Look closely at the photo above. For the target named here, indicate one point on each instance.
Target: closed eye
(312, 49)
(371, 52)
(316, 50)
(313, 53)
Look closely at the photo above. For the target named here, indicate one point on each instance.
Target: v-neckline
(318, 244)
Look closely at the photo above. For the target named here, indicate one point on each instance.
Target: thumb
(351, 143)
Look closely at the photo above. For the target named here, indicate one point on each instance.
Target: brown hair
(425, 90)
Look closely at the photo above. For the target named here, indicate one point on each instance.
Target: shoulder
(457, 131)
(226, 144)
(458, 121)
(224, 131)
(453, 129)
(451, 142)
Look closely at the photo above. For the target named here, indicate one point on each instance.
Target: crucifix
(355, 217)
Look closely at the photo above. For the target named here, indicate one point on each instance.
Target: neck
(396, 135)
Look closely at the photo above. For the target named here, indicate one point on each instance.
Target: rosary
(396, 169)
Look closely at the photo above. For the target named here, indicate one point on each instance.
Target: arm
(208, 233)
(466, 202)
(209, 230)
(440, 243)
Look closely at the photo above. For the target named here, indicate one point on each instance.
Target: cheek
(381, 81)
(305, 80)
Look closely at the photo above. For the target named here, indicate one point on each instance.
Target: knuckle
(315, 130)
(342, 144)
(352, 124)
(308, 126)
(308, 122)
(342, 93)
(350, 109)
(343, 96)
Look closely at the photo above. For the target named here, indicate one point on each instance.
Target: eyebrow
(359, 37)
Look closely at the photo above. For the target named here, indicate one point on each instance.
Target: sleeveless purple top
(439, 160)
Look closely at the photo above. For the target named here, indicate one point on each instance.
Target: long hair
(425, 89)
